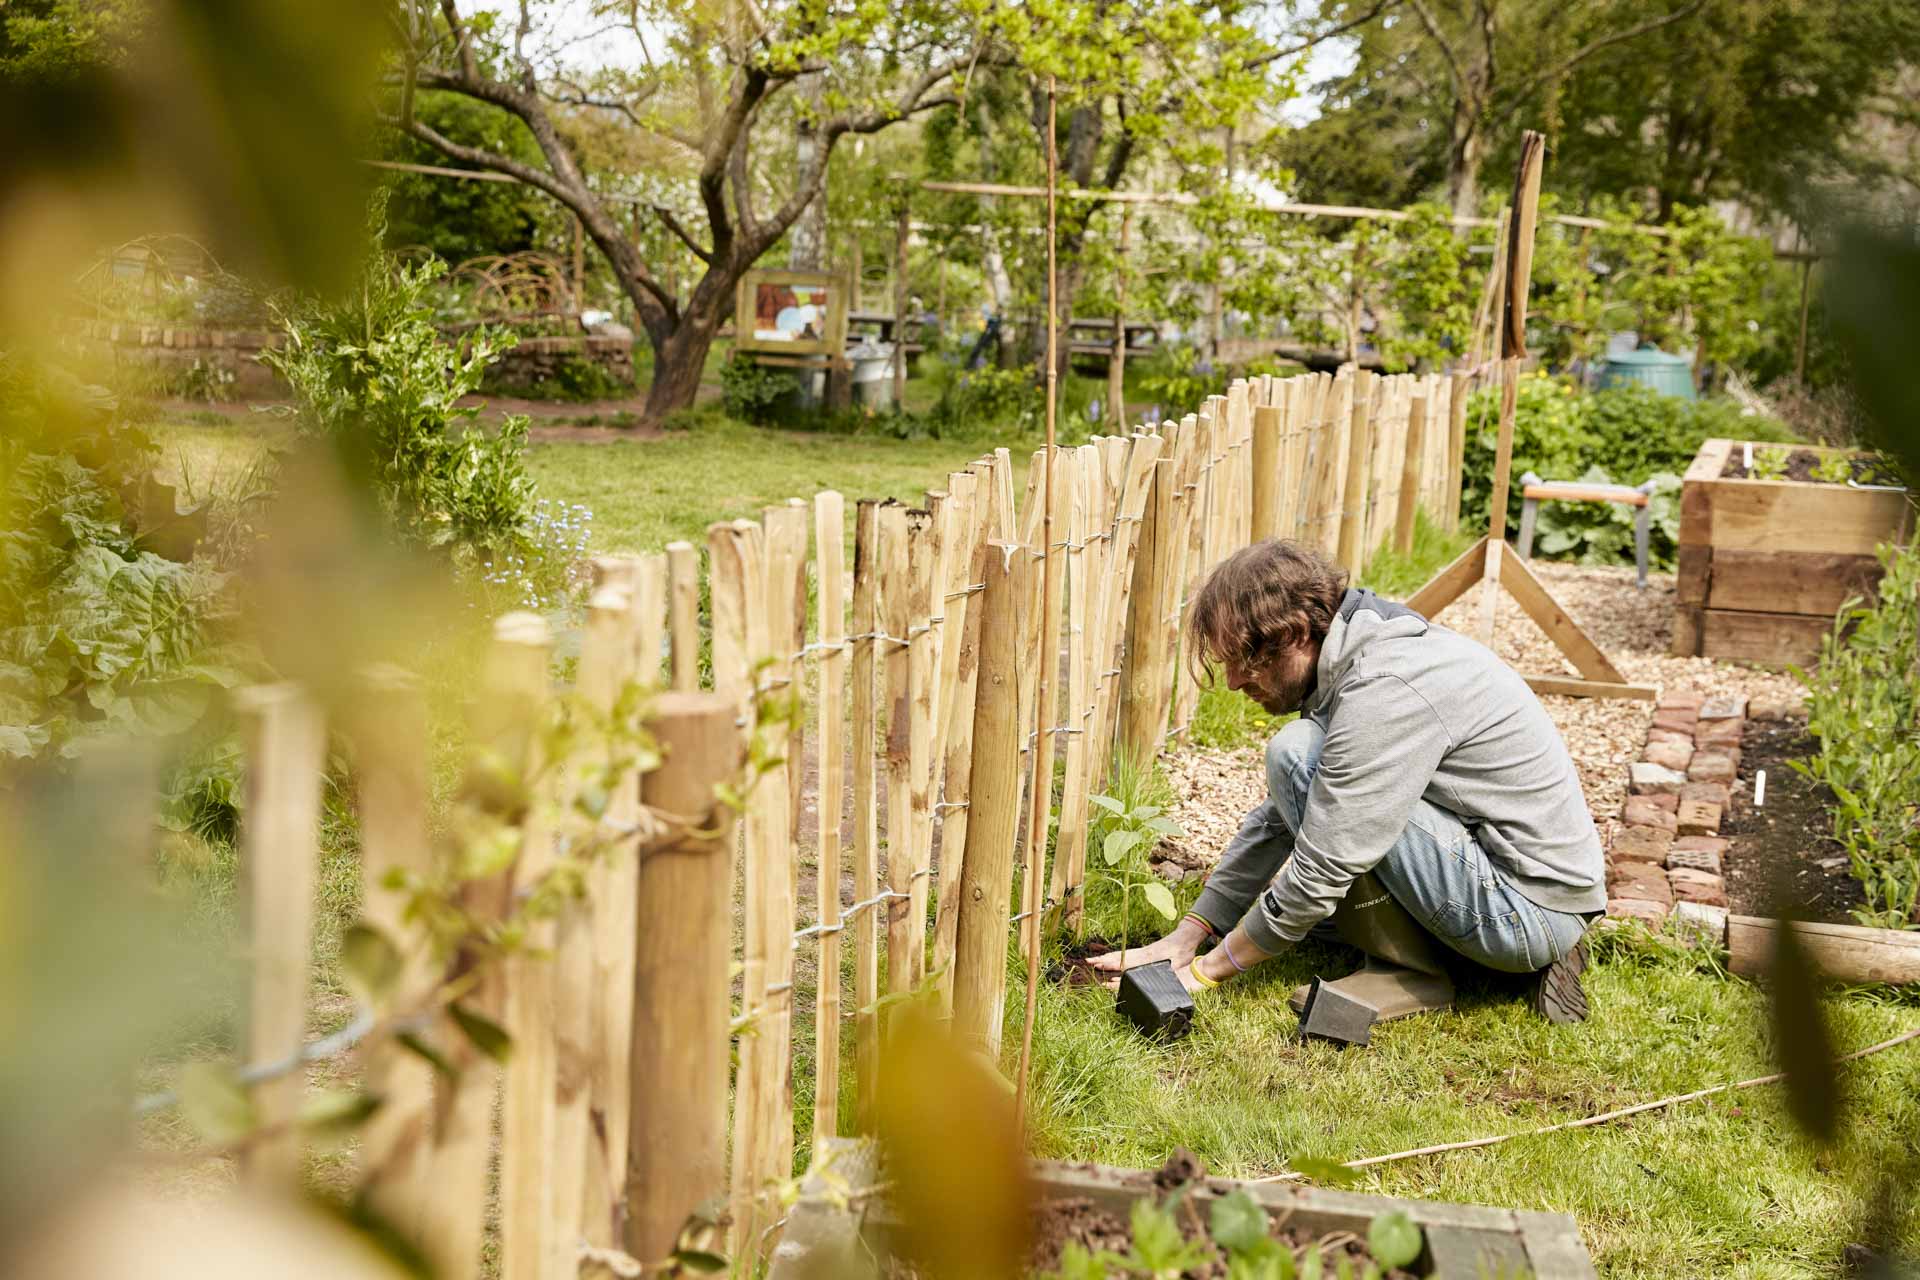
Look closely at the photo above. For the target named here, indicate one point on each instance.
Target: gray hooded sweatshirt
(1412, 710)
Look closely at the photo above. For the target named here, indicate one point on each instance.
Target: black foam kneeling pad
(1154, 1001)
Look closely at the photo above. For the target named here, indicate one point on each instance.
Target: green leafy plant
(1180, 379)
(376, 380)
(753, 392)
(1125, 836)
(1238, 1233)
(1630, 434)
(1602, 532)
(576, 378)
(108, 622)
(1863, 703)
(206, 380)
(1833, 468)
(1769, 464)
(1001, 400)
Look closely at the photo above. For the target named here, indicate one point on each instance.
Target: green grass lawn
(647, 493)
(1721, 1187)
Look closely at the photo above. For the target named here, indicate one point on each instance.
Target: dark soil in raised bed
(1801, 464)
(1078, 1220)
(1784, 856)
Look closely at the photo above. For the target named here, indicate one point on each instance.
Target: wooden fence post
(390, 735)
(528, 1227)
(681, 1005)
(776, 805)
(1410, 474)
(896, 590)
(1460, 388)
(1353, 503)
(1267, 476)
(866, 805)
(737, 577)
(453, 1199)
(986, 885)
(829, 534)
(683, 587)
(285, 754)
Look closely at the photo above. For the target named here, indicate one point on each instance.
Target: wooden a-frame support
(1487, 560)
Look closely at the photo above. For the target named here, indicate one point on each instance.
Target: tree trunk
(678, 363)
(809, 239)
(1465, 151)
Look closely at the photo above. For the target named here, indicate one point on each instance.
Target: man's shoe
(1345, 1009)
(1556, 992)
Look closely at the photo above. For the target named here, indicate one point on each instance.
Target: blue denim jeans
(1436, 870)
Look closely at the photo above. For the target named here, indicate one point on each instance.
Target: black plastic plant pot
(1154, 1001)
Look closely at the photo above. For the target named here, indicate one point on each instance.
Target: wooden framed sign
(791, 312)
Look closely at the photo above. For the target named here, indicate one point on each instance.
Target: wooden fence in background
(893, 708)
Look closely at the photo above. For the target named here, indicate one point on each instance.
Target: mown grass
(1722, 1187)
(647, 493)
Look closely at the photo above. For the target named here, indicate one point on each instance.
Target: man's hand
(1180, 946)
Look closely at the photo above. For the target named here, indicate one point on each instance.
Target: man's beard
(1289, 697)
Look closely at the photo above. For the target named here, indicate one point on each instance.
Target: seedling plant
(1126, 835)
(1237, 1230)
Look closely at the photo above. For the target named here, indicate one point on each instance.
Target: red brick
(1641, 844)
(1685, 699)
(1669, 755)
(1642, 880)
(1732, 707)
(1718, 733)
(1676, 720)
(1641, 811)
(1711, 792)
(1652, 914)
(1716, 845)
(1698, 886)
(1710, 766)
(1698, 859)
(1679, 737)
(1698, 818)
(1654, 779)
(1670, 803)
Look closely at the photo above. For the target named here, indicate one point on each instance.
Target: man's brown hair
(1262, 601)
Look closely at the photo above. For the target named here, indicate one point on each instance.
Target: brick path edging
(1668, 859)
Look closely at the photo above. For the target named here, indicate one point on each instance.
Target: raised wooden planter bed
(1765, 564)
(837, 1218)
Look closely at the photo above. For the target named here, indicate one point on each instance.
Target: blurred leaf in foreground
(951, 1141)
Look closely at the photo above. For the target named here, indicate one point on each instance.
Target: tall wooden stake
(681, 1004)
(1041, 794)
(1117, 361)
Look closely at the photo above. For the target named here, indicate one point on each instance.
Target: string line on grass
(1602, 1118)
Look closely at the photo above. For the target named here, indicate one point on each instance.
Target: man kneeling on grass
(1422, 803)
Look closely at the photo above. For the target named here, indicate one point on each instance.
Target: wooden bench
(1535, 491)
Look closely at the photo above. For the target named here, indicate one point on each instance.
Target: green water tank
(1668, 374)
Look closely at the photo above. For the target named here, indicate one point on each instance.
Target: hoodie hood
(1363, 617)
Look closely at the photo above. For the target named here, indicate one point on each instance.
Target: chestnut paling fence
(883, 716)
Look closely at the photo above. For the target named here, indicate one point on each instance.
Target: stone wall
(172, 354)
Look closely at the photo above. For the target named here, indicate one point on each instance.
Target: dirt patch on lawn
(1784, 855)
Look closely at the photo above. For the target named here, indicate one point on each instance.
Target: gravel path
(1604, 735)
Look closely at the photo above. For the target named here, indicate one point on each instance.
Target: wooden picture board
(764, 297)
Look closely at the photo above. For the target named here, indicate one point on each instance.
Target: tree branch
(1580, 55)
(1321, 37)
(1459, 72)
(672, 222)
